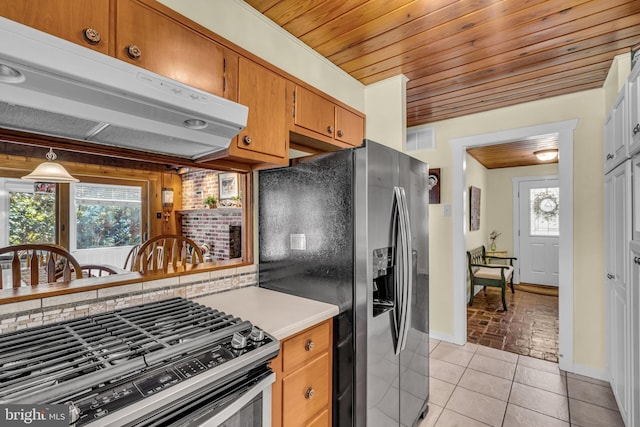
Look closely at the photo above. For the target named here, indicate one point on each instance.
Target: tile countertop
(279, 314)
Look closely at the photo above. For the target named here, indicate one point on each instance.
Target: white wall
(386, 110)
(588, 219)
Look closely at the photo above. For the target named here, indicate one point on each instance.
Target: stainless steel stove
(173, 362)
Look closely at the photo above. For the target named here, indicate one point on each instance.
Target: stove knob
(74, 413)
(238, 341)
(256, 335)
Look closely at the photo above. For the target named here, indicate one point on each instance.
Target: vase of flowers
(493, 236)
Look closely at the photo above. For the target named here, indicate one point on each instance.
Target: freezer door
(414, 358)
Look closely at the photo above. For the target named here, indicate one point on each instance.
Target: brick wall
(207, 226)
(198, 185)
(211, 226)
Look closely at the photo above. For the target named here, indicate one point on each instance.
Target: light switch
(298, 242)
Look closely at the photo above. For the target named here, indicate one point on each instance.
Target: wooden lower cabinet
(302, 391)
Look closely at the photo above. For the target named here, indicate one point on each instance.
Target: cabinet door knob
(610, 276)
(133, 52)
(247, 140)
(309, 345)
(91, 36)
(609, 156)
(340, 134)
(309, 393)
(330, 129)
(636, 129)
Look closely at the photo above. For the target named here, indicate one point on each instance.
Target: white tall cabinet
(622, 252)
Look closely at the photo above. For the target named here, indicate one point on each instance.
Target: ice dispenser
(383, 283)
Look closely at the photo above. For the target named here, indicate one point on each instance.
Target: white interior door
(539, 207)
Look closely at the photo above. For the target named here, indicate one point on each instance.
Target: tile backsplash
(26, 314)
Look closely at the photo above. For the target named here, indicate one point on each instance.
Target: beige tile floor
(473, 385)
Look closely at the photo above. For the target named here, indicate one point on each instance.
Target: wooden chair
(99, 270)
(160, 252)
(129, 263)
(481, 273)
(34, 264)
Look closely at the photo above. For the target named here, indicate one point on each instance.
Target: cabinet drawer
(305, 346)
(306, 392)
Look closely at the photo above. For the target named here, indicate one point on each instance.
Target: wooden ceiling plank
(570, 32)
(431, 118)
(541, 90)
(421, 99)
(321, 16)
(426, 114)
(515, 59)
(262, 5)
(349, 25)
(430, 90)
(362, 31)
(454, 19)
(463, 30)
(543, 60)
(286, 10)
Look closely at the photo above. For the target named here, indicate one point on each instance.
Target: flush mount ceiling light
(50, 171)
(546, 155)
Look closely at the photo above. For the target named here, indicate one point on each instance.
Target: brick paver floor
(528, 327)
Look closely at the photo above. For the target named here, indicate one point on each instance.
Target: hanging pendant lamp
(50, 171)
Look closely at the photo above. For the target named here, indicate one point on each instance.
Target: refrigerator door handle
(403, 269)
(407, 266)
(398, 276)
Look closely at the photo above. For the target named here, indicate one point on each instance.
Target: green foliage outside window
(100, 226)
(32, 218)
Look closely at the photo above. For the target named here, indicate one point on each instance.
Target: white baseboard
(443, 337)
(587, 371)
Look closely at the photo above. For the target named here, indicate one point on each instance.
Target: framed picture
(44, 187)
(474, 208)
(228, 183)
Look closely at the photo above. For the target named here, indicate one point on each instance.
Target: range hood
(53, 87)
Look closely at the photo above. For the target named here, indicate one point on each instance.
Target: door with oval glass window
(539, 212)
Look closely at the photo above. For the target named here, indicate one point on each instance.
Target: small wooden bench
(481, 273)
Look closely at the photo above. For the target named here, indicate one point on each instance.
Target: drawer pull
(91, 36)
(133, 52)
(309, 345)
(309, 393)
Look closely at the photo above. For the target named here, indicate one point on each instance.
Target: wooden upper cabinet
(349, 127)
(326, 120)
(314, 112)
(265, 139)
(84, 22)
(158, 43)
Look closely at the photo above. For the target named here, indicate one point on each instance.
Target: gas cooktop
(102, 363)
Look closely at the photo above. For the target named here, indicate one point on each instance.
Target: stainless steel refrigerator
(351, 228)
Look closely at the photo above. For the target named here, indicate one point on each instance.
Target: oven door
(242, 402)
